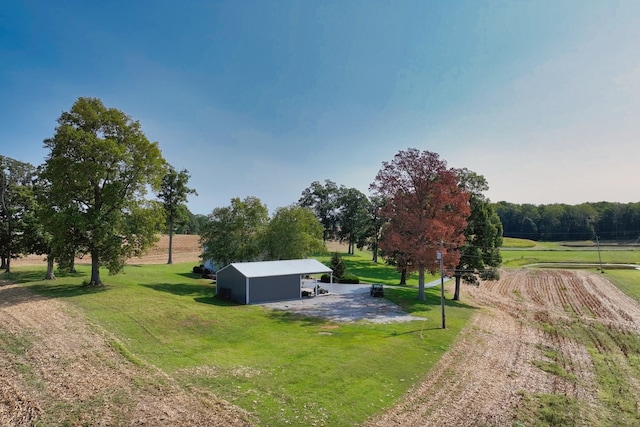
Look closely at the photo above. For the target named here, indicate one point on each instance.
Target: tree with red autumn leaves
(426, 211)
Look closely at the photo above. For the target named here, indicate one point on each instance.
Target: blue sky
(260, 98)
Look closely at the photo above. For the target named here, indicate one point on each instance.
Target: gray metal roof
(280, 268)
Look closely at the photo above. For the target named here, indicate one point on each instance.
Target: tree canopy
(480, 254)
(353, 217)
(323, 200)
(426, 210)
(99, 168)
(173, 195)
(559, 221)
(235, 233)
(19, 232)
(294, 232)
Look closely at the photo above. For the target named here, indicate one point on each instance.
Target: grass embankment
(519, 253)
(282, 368)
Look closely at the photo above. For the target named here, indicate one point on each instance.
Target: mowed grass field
(521, 252)
(283, 369)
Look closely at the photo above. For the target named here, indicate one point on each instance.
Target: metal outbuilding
(264, 281)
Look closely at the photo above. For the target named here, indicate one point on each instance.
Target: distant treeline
(559, 222)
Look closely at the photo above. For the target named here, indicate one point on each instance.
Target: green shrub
(325, 278)
(491, 273)
(337, 265)
(349, 278)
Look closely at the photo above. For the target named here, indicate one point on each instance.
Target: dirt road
(481, 380)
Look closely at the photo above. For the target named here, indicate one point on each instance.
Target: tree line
(90, 196)
(418, 210)
(562, 222)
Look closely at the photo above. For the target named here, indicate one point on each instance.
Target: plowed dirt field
(518, 345)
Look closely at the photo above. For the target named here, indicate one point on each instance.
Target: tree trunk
(8, 265)
(3, 262)
(170, 261)
(50, 275)
(95, 269)
(456, 294)
(421, 296)
(403, 276)
(72, 267)
(375, 254)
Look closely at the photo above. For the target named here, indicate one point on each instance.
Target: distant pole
(440, 257)
(599, 257)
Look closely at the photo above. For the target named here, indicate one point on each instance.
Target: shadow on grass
(416, 331)
(23, 276)
(191, 276)
(211, 300)
(203, 294)
(55, 289)
(51, 288)
(183, 289)
(407, 298)
(285, 316)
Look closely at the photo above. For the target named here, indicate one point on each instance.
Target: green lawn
(520, 257)
(361, 265)
(280, 367)
(628, 281)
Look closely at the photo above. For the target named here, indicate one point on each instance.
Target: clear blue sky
(260, 98)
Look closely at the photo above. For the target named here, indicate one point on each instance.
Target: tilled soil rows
(498, 357)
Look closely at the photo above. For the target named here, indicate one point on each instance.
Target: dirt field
(49, 353)
(480, 381)
(186, 248)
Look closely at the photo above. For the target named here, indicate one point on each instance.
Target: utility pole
(599, 257)
(440, 257)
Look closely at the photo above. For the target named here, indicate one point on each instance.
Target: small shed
(264, 281)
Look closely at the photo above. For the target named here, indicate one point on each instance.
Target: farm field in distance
(540, 347)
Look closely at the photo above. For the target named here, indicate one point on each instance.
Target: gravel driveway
(346, 303)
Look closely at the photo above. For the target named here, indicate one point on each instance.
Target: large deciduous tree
(353, 217)
(480, 254)
(99, 168)
(235, 233)
(323, 200)
(293, 232)
(375, 223)
(173, 194)
(18, 224)
(426, 210)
